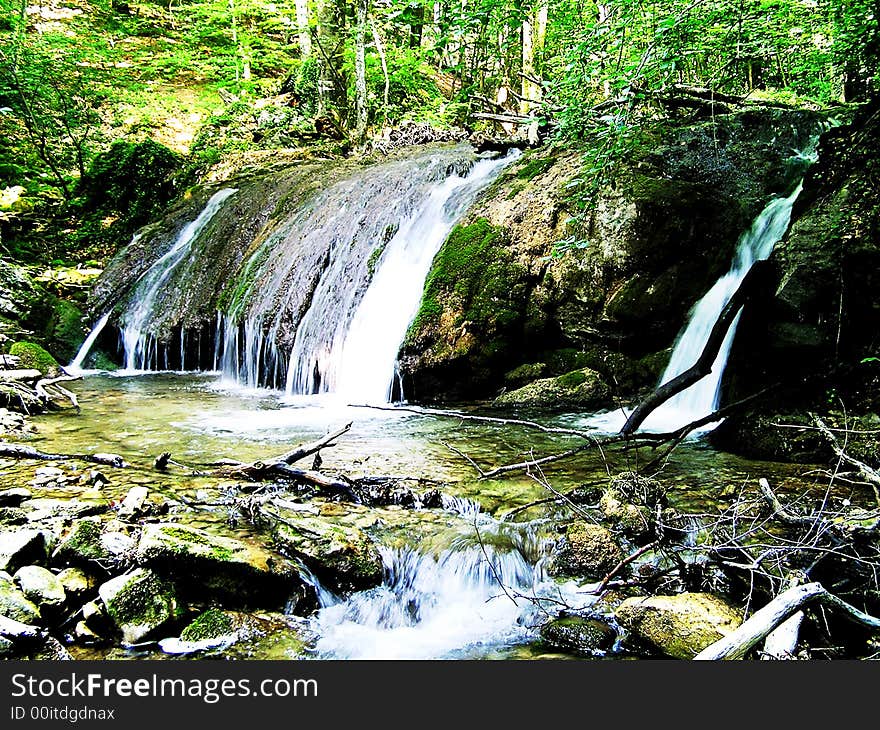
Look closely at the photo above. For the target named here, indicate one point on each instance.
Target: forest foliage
(78, 75)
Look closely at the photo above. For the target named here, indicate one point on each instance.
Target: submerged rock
(343, 556)
(220, 566)
(141, 604)
(586, 551)
(578, 635)
(680, 626)
(41, 586)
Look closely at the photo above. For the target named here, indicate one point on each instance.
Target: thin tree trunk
(360, 67)
(302, 23)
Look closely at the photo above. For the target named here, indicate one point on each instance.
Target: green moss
(572, 379)
(33, 356)
(375, 255)
(212, 624)
(145, 599)
(65, 332)
(534, 167)
(183, 535)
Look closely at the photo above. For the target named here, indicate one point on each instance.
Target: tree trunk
(360, 69)
(302, 23)
(332, 84)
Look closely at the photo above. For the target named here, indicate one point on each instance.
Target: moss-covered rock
(587, 551)
(212, 624)
(141, 604)
(40, 586)
(680, 626)
(583, 388)
(83, 545)
(77, 583)
(33, 356)
(342, 556)
(208, 564)
(16, 605)
(578, 635)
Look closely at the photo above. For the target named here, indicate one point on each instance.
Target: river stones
(14, 604)
(40, 586)
(680, 626)
(341, 555)
(76, 582)
(578, 635)
(88, 545)
(141, 604)
(21, 547)
(587, 551)
(221, 566)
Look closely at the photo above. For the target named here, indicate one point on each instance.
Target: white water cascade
(141, 347)
(448, 604)
(358, 363)
(76, 365)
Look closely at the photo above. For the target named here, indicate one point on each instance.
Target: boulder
(582, 388)
(587, 551)
(578, 635)
(87, 545)
(40, 586)
(680, 626)
(76, 582)
(141, 604)
(219, 566)
(21, 547)
(342, 556)
(15, 605)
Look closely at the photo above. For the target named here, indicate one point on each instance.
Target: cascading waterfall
(447, 604)
(345, 275)
(75, 367)
(141, 346)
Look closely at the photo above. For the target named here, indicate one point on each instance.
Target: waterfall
(447, 604)
(703, 397)
(75, 367)
(323, 301)
(141, 346)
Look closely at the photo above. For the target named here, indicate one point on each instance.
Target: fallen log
(22, 451)
(764, 621)
(300, 452)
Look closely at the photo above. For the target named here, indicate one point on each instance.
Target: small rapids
(486, 589)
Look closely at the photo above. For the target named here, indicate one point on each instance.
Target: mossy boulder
(87, 545)
(582, 388)
(21, 547)
(76, 582)
(586, 551)
(679, 626)
(578, 635)
(212, 624)
(40, 586)
(342, 556)
(33, 356)
(141, 604)
(16, 605)
(223, 567)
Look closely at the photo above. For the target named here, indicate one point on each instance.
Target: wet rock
(64, 509)
(635, 521)
(84, 635)
(15, 604)
(582, 388)
(76, 582)
(221, 566)
(586, 551)
(141, 604)
(13, 497)
(40, 586)
(342, 556)
(680, 626)
(7, 648)
(134, 501)
(51, 651)
(87, 545)
(239, 635)
(95, 616)
(21, 547)
(578, 635)
(14, 424)
(18, 632)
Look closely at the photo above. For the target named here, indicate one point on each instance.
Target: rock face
(140, 603)
(218, 566)
(496, 302)
(586, 551)
(342, 556)
(680, 626)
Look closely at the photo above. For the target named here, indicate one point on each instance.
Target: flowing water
(76, 365)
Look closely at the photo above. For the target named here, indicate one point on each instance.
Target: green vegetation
(33, 357)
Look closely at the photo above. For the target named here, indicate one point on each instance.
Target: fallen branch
(21, 451)
(738, 643)
(703, 366)
(300, 452)
(871, 476)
